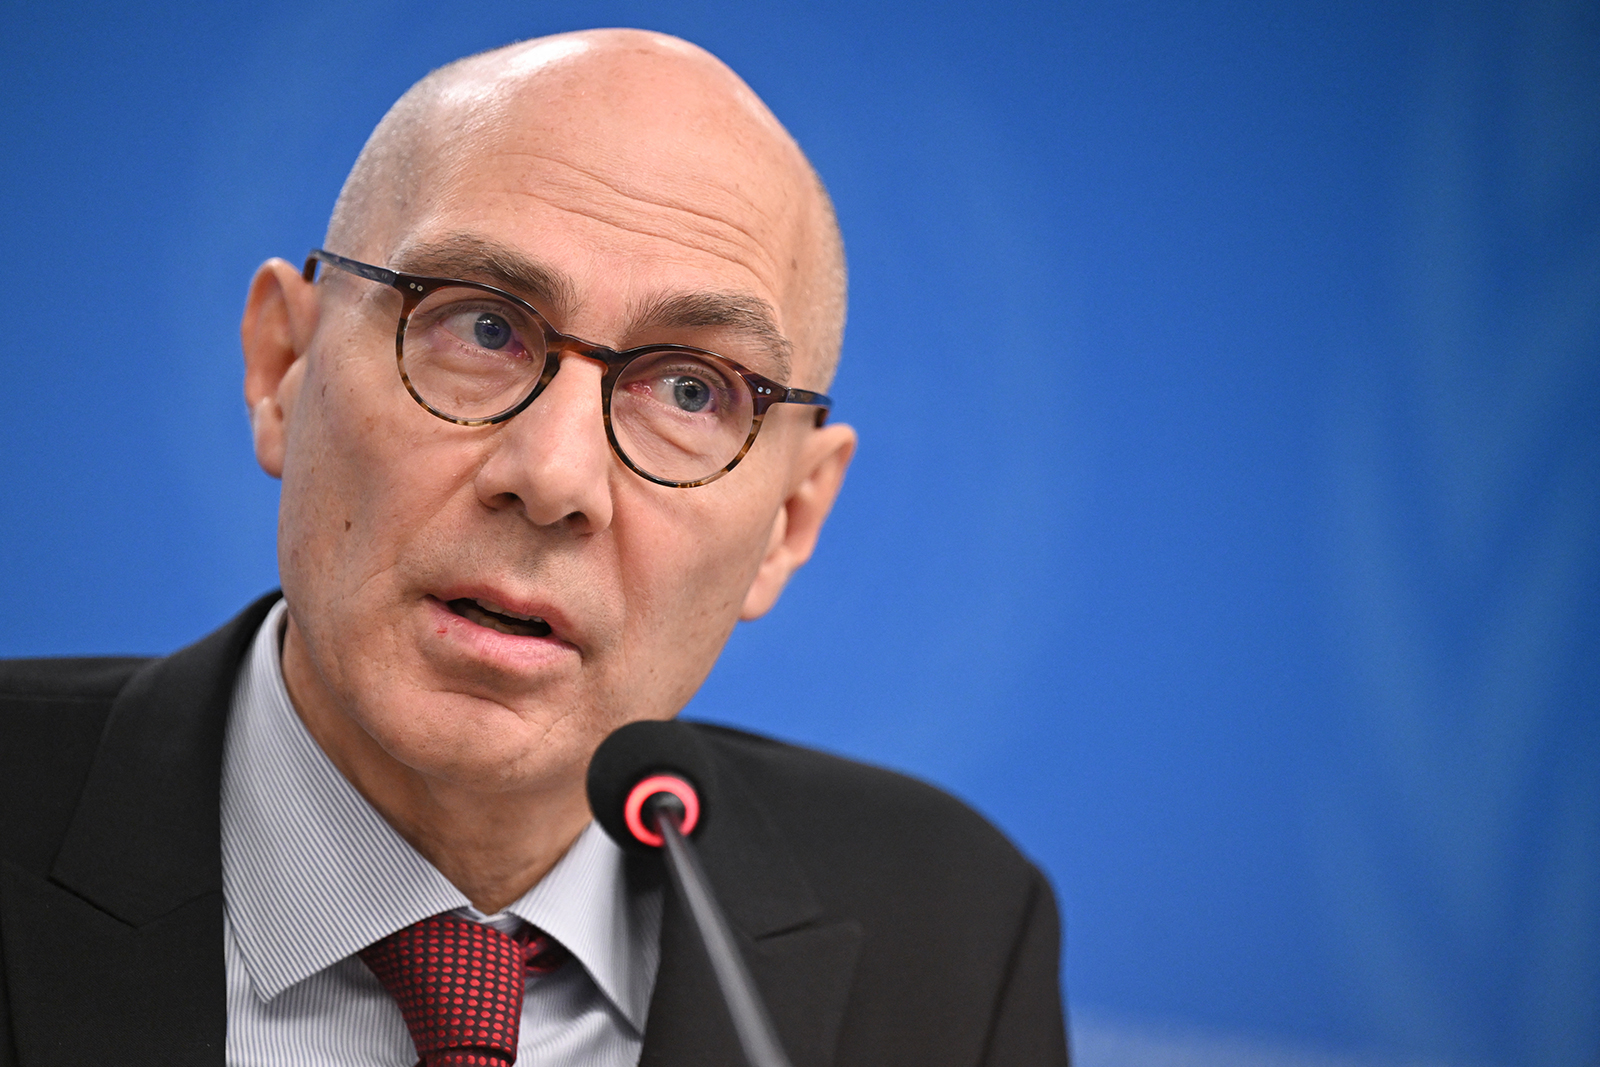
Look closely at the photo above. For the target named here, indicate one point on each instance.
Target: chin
(481, 746)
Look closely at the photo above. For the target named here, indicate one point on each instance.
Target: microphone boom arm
(750, 1020)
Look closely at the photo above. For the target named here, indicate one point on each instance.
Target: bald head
(608, 120)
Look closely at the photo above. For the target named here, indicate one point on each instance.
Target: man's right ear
(280, 318)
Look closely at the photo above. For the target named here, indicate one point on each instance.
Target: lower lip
(510, 651)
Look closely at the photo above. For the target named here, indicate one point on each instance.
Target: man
(490, 560)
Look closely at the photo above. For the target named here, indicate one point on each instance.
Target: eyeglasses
(476, 355)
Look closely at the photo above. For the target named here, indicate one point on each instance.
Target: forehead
(636, 179)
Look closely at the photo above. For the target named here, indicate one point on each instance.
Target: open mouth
(498, 618)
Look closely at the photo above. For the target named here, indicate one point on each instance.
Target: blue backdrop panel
(1236, 549)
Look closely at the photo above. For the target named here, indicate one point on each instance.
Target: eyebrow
(472, 258)
(743, 313)
(469, 258)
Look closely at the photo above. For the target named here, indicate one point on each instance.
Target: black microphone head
(637, 752)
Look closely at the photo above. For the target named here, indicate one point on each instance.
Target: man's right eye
(491, 331)
(481, 327)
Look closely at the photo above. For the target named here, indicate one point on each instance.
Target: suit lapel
(802, 961)
(116, 957)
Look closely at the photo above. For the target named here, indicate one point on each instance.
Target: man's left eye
(689, 394)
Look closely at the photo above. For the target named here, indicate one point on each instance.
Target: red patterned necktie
(459, 986)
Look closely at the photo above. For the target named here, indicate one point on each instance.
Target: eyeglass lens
(677, 416)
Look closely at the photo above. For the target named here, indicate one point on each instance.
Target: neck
(495, 848)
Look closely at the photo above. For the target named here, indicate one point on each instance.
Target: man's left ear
(819, 471)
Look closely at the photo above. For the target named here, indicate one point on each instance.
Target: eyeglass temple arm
(363, 270)
(806, 396)
(769, 393)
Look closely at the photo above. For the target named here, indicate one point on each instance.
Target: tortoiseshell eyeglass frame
(764, 392)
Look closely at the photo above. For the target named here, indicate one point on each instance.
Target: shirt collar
(312, 873)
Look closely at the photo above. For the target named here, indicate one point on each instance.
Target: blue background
(1235, 545)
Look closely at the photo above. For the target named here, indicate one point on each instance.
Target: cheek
(359, 475)
(687, 570)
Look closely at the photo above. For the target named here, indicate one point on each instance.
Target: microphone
(644, 790)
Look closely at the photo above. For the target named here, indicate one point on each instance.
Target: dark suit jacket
(885, 922)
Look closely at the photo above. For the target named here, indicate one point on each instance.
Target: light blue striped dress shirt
(312, 874)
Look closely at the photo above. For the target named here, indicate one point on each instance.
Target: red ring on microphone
(660, 783)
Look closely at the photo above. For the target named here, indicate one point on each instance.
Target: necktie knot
(459, 986)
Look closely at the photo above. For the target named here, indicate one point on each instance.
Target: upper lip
(504, 601)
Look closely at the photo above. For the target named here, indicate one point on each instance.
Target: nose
(552, 460)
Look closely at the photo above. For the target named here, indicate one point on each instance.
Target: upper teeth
(489, 605)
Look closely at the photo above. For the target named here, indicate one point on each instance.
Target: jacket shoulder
(66, 679)
(960, 938)
(831, 804)
(52, 714)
